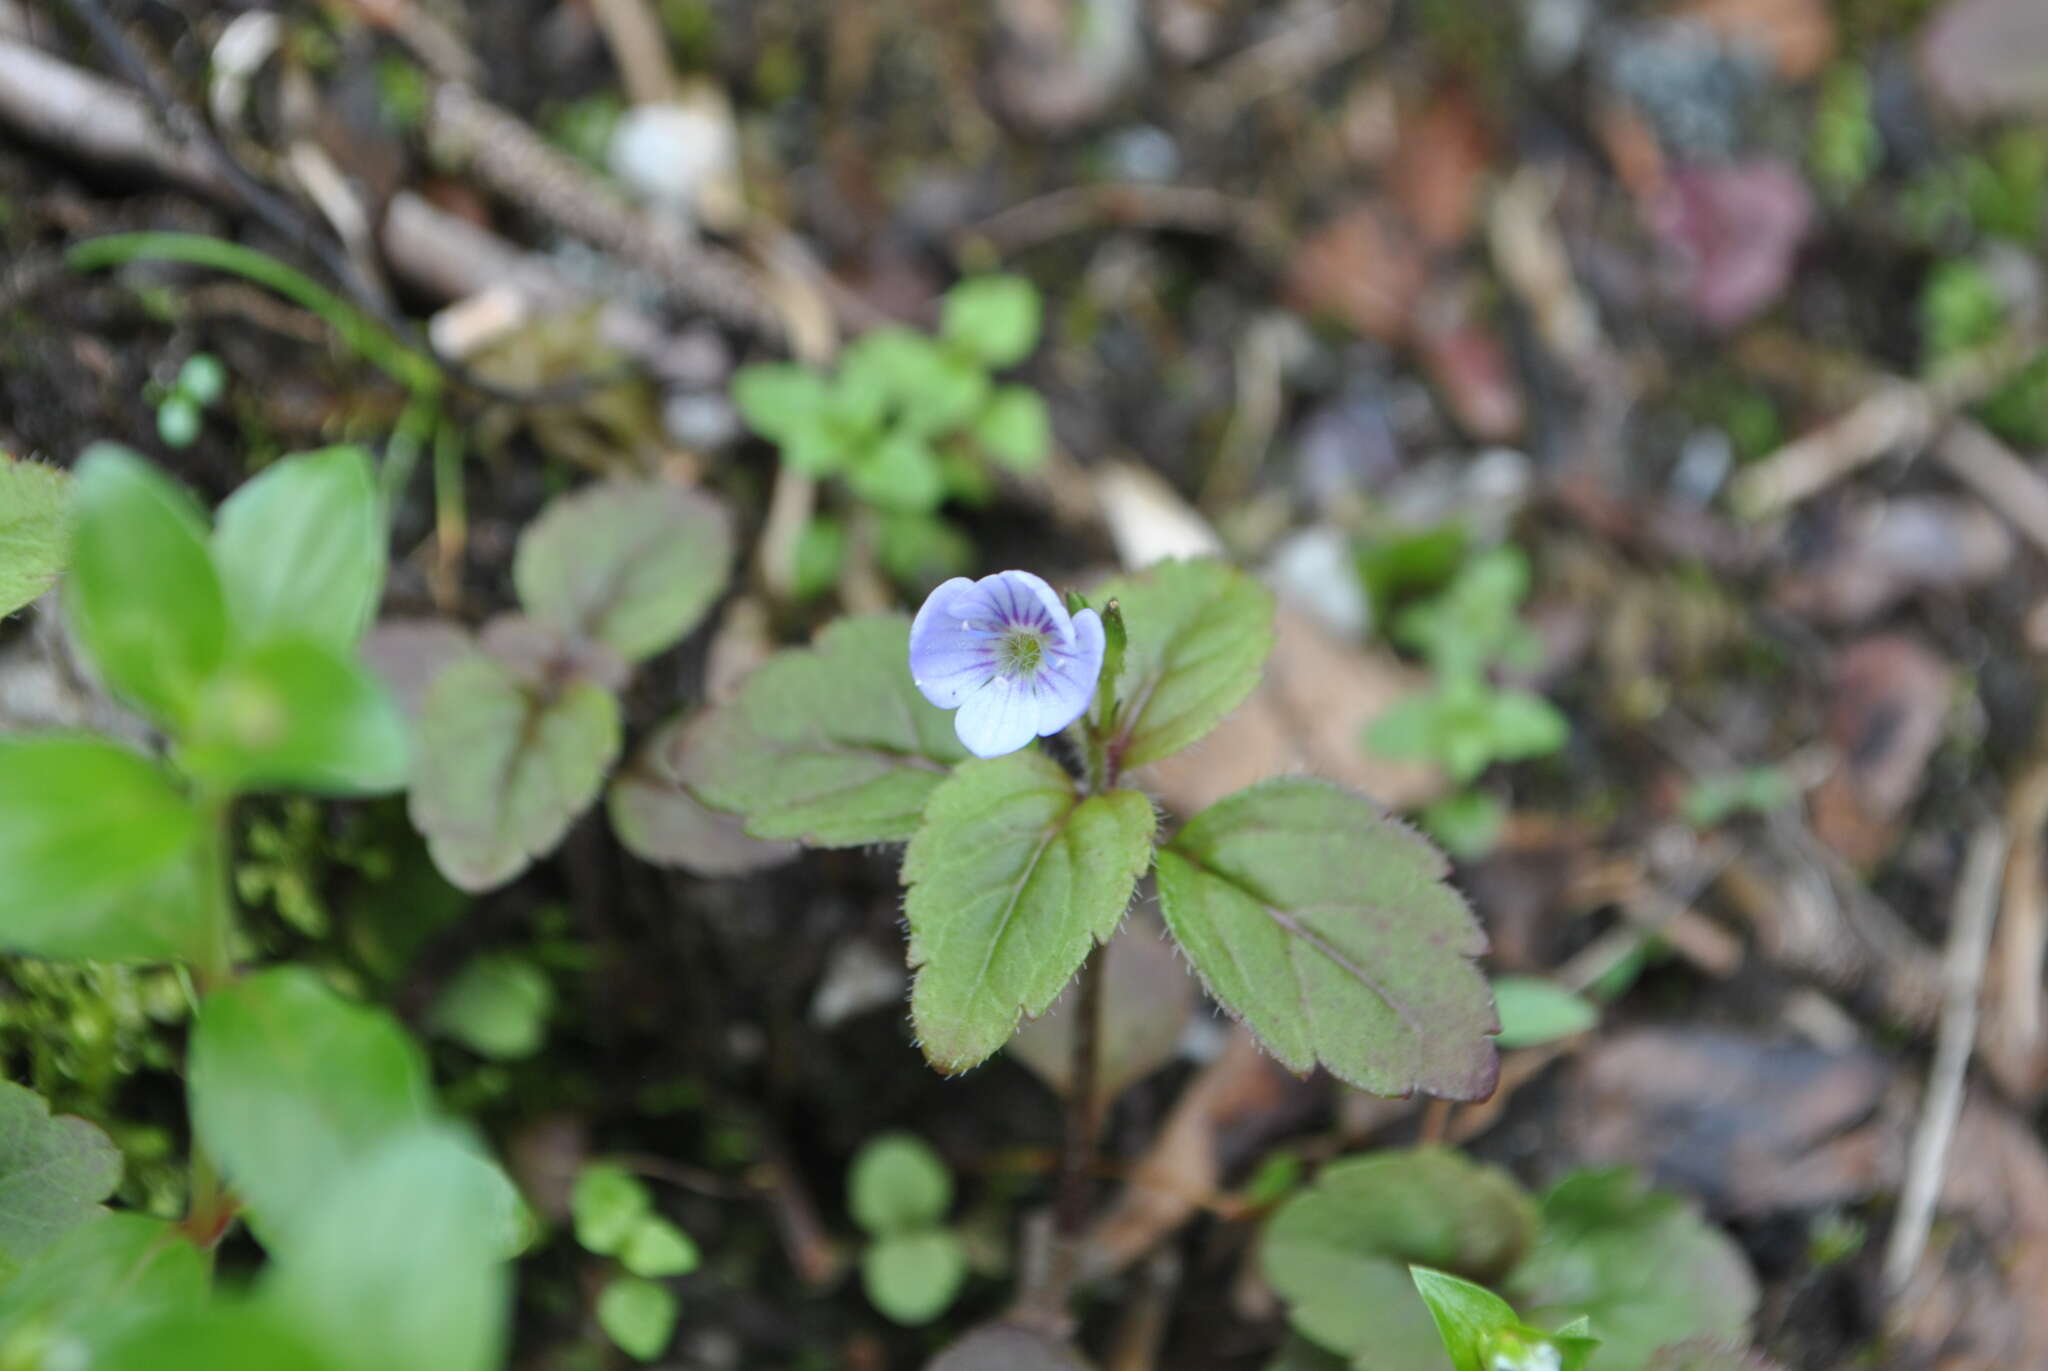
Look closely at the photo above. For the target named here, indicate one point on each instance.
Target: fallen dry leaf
(1733, 234)
(1309, 713)
(1439, 166)
(1889, 707)
(1464, 357)
(1986, 58)
(1182, 1171)
(1362, 267)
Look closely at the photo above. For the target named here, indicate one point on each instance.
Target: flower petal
(1027, 599)
(1066, 683)
(949, 659)
(997, 719)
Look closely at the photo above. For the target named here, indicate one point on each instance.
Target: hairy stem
(210, 1208)
(1077, 1154)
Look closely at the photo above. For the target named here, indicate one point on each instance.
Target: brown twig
(1970, 921)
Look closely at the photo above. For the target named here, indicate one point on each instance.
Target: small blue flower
(1005, 653)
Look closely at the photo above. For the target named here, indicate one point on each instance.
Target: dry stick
(639, 49)
(2011, 1040)
(515, 163)
(1995, 472)
(1975, 909)
(1896, 415)
(93, 119)
(1077, 1149)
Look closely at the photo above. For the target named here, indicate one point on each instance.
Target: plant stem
(1077, 1154)
(209, 1207)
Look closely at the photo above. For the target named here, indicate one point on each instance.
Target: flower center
(1021, 652)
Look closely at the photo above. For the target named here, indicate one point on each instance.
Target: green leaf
(606, 1203)
(655, 1247)
(502, 771)
(1534, 1011)
(831, 743)
(818, 447)
(1339, 1251)
(1466, 823)
(1012, 878)
(659, 819)
(1474, 621)
(497, 1007)
(296, 713)
(933, 390)
(300, 550)
(1640, 1265)
(897, 1183)
(921, 550)
(820, 555)
(203, 377)
(1015, 428)
(35, 530)
(142, 593)
(1525, 725)
(776, 398)
(1199, 634)
(53, 1174)
(397, 1260)
(1468, 1317)
(631, 564)
(913, 1277)
(290, 1084)
(1327, 927)
(900, 472)
(994, 317)
(217, 1335)
(638, 1315)
(95, 853)
(100, 1278)
(178, 420)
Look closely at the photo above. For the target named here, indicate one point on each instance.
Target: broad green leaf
(223, 1334)
(35, 530)
(775, 398)
(638, 1315)
(655, 1247)
(142, 593)
(95, 853)
(897, 1183)
(1327, 927)
(297, 713)
(1533, 1011)
(921, 550)
(631, 564)
(660, 820)
(1639, 1264)
(501, 771)
(606, 1203)
(397, 1260)
(99, 1279)
(290, 1084)
(901, 472)
(53, 1174)
(820, 556)
(1015, 429)
(1199, 635)
(300, 550)
(912, 1277)
(497, 1006)
(1339, 1251)
(932, 390)
(994, 317)
(1482, 1332)
(831, 744)
(1465, 823)
(1468, 1316)
(1012, 879)
(178, 420)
